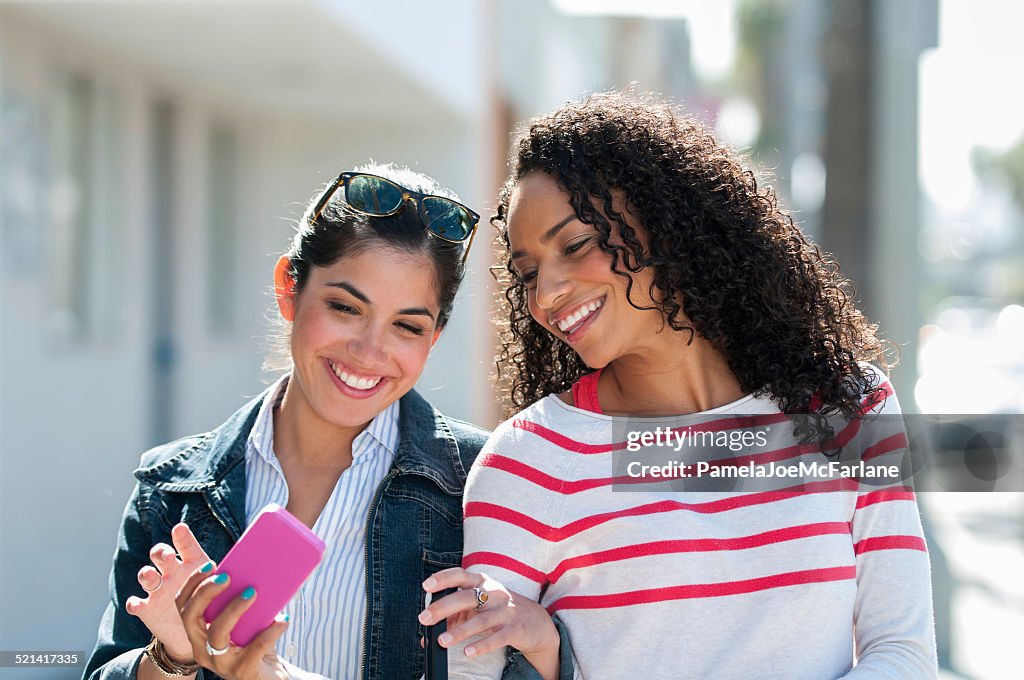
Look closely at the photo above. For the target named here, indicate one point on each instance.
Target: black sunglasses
(377, 196)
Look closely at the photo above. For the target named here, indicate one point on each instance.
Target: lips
(578, 316)
(356, 382)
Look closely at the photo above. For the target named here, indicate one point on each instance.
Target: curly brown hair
(729, 265)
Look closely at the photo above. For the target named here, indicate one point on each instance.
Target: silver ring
(481, 598)
(213, 651)
(158, 584)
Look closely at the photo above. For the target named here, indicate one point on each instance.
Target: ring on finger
(481, 598)
(213, 651)
(157, 586)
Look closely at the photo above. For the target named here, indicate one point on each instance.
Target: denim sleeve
(121, 636)
(518, 668)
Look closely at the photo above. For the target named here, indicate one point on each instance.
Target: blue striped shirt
(326, 631)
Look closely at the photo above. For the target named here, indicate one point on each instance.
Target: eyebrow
(361, 296)
(548, 235)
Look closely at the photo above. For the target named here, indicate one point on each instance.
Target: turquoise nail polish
(220, 578)
(286, 618)
(206, 568)
(248, 593)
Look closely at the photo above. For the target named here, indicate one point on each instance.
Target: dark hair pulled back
(341, 232)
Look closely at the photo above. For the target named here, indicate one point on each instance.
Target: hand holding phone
(274, 555)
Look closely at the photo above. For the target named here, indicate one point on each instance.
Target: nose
(367, 348)
(552, 284)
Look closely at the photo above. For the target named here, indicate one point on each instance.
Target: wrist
(546, 649)
(168, 665)
(551, 642)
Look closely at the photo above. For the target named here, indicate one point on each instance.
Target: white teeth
(354, 382)
(577, 316)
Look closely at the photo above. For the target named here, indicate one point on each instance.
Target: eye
(528, 278)
(576, 245)
(342, 307)
(415, 330)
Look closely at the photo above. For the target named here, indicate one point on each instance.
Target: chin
(595, 360)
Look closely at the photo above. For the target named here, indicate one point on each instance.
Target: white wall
(70, 437)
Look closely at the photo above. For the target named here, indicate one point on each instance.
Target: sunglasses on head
(377, 196)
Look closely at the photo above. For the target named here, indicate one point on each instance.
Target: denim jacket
(414, 528)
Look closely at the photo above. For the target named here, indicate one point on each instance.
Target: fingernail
(221, 578)
(445, 639)
(426, 617)
(248, 593)
(286, 618)
(470, 651)
(206, 568)
(430, 583)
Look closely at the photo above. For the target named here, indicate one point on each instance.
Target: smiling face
(572, 290)
(362, 330)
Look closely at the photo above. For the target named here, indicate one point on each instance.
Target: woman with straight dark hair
(341, 440)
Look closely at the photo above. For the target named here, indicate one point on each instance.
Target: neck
(303, 436)
(669, 377)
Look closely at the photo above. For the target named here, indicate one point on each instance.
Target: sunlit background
(155, 155)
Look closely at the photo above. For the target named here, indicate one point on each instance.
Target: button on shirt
(325, 634)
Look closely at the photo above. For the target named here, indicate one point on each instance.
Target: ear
(437, 334)
(284, 288)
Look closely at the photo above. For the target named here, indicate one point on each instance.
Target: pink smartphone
(274, 555)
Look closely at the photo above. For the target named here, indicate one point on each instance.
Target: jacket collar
(426, 447)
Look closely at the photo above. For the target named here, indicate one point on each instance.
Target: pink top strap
(584, 392)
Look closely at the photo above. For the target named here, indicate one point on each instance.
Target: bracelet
(165, 664)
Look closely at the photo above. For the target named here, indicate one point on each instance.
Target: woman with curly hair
(647, 272)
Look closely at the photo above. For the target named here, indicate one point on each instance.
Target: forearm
(522, 667)
(546, 664)
(895, 662)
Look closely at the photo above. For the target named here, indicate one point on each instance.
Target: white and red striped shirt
(669, 584)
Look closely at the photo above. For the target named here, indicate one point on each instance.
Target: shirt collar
(382, 430)
(261, 436)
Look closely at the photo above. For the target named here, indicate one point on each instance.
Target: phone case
(436, 656)
(274, 555)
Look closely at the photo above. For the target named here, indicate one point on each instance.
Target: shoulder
(192, 458)
(533, 458)
(467, 434)
(469, 438)
(880, 395)
(427, 435)
(549, 434)
(163, 454)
